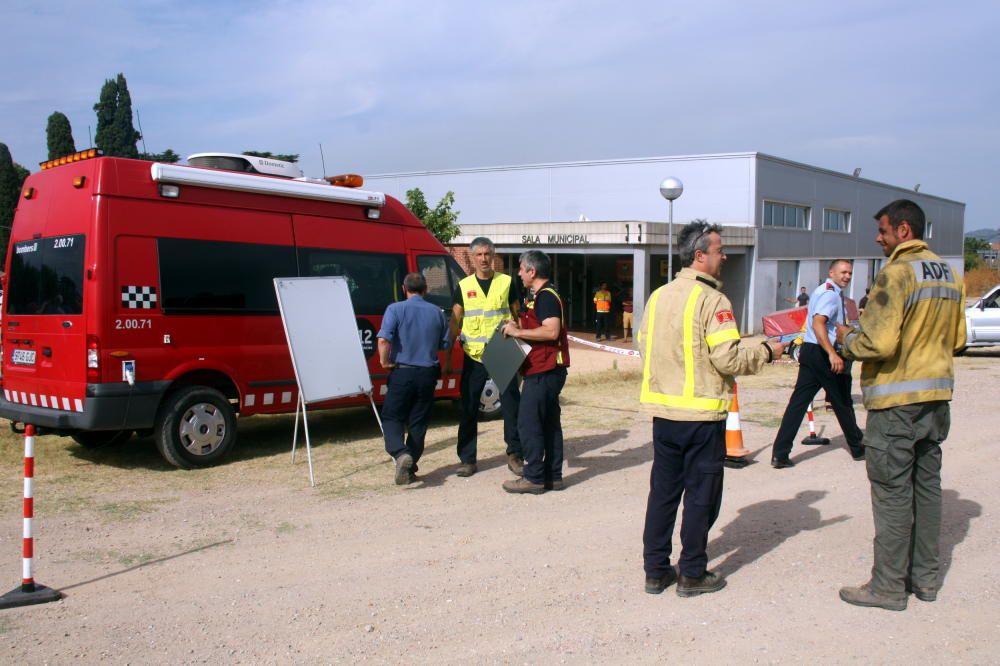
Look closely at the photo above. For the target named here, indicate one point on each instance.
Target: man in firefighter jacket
(544, 370)
(690, 347)
(488, 298)
(913, 324)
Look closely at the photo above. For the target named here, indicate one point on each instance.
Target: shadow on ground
(762, 527)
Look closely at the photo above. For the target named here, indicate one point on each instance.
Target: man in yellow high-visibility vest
(488, 298)
(691, 351)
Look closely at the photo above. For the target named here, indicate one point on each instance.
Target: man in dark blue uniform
(412, 333)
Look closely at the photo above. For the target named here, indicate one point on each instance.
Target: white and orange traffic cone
(736, 453)
(813, 438)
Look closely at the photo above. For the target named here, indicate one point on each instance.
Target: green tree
(168, 156)
(59, 135)
(972, 245)
(284, 157)
(440, 220)
(115, 133)
(22, 174)
(10, 190)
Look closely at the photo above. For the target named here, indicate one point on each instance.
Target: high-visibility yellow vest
(483, 312)
(602, 299)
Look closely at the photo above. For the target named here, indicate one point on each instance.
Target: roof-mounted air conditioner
(245, 163)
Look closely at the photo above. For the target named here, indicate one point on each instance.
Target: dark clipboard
(503, 357)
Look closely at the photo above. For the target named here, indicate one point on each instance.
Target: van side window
(216, 277)
(46, 276)
(375, 280)
(443, 275)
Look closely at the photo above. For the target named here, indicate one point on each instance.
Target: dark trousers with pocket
(407, 408)
(903, 457)
(815, 372)
(474, 376)
(688, 459)
(539, 421)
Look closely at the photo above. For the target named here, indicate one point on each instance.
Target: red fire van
(138, 296)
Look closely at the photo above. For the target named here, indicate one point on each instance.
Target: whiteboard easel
(326, 352)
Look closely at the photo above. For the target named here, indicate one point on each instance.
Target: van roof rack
(246, 182)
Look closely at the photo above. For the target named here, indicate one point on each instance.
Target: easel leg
(309, 453)
(295, 433)
(377, 417)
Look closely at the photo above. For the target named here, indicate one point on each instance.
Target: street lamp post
(671, 189)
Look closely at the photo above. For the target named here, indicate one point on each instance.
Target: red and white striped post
(813, 438)
(30, 592)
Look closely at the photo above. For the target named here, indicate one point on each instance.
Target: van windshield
(46, 276)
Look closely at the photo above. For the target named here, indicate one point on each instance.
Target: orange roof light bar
(90, 153)
(346, 180)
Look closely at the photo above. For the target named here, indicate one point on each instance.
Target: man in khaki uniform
(913, 324)
(691, 350)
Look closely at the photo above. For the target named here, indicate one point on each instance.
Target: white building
(606, 221)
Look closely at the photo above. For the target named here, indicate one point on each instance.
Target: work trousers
(473, 381)
(688, 459)
(815, 372)
(407, 408)
(903, 456)
(602, 321)
(539, 423)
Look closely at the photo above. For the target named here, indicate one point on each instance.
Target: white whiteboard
(323, 338)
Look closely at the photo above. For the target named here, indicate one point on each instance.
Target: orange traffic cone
(813, 438)
(736, 453)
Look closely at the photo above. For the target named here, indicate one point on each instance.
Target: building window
(836, 220)
(785, 215)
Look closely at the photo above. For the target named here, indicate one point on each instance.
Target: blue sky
(906, 90)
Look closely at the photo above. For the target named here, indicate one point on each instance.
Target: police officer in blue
(412, 333)
(820, 365)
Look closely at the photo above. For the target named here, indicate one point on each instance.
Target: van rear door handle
(47, 351)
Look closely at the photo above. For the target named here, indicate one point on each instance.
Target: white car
(982, 320)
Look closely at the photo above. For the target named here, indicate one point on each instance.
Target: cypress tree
(115, 133)
(59, 135)
(10, 189)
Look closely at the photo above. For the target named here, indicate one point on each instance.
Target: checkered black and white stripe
(138, 298)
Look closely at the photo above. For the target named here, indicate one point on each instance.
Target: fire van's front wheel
(196, 427)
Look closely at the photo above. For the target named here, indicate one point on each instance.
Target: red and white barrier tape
(608, 348)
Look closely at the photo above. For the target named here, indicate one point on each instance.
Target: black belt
(407, 365)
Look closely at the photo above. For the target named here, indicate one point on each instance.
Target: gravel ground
(264, 569)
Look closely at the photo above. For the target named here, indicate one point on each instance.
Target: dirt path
(247, 564)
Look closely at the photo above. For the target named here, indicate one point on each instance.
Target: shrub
(979, 280)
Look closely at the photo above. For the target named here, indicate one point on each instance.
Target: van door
(443, 274)
(44, 336)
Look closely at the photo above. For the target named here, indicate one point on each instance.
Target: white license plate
(23, 357)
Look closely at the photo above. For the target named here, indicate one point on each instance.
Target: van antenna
(142, 135)
(322, 159)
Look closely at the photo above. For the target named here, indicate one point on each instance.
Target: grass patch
(131, 509)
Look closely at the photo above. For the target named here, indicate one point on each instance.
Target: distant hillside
(988, 235)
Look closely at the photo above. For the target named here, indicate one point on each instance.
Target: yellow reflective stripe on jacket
(722, 336)
(692, 301)
(687, 400)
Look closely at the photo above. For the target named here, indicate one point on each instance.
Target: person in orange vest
(602, 304)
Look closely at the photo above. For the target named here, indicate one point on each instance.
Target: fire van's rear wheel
(98, 438)
(196, 427)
